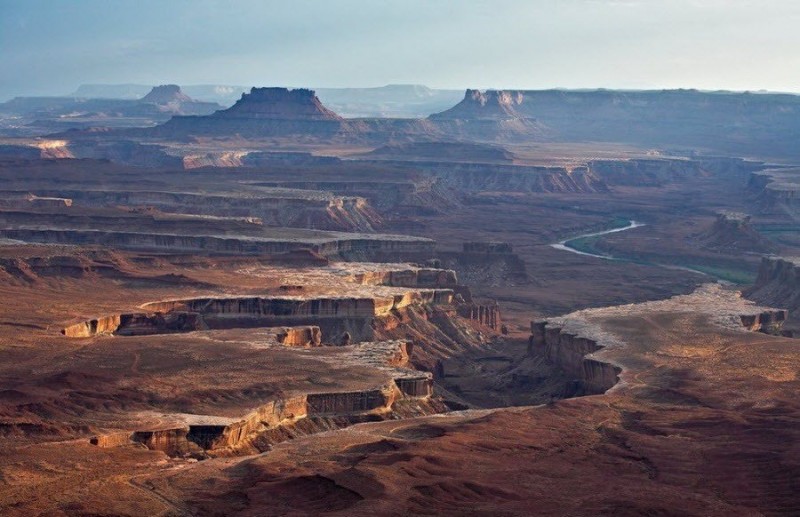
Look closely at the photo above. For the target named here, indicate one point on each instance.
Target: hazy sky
(50, 47)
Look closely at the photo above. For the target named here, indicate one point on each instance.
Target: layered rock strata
(299, 414)
(277, 207)
(334, 314)
(346, 245)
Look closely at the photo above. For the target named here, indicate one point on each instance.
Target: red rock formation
(569, 352)
(486, 315)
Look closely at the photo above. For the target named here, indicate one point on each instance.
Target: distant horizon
(75, 90)
(708, 45)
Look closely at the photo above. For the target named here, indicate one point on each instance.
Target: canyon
(551, 302)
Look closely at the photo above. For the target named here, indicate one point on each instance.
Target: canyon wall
(333, 316)
(571, 352)
(486, 315)
(283, 419)
(776, 191)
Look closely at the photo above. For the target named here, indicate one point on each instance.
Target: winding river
(564, 245)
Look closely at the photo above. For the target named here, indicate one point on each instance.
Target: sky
(51, 47)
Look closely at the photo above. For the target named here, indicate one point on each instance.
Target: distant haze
(51, 47)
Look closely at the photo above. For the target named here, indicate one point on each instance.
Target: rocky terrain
(545, 302)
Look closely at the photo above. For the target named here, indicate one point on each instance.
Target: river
(564, 245)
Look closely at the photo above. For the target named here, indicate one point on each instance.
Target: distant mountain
(294, 113)
(763, 124)
(41, 115)
(490, 115)
(394, 100)
(279, 104)
(166, 94)
(221, 94)
(488, 105)
(263, 112)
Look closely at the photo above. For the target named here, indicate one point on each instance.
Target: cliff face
(284, 419)
(486, 315)
(776, 191)
(579, 344)
(647, 172)
(404, 392)
(570, 352)
(333, 315)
